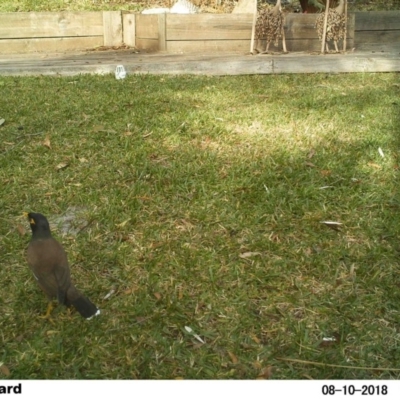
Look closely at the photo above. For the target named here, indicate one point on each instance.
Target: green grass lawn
(198, 201)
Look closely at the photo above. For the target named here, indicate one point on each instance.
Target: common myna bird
(49, 264)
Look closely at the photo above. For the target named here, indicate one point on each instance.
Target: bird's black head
(39, 225)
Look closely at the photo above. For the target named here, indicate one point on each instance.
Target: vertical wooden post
(162, 32)
(345, 27)
(112, 25)
(129, 29)
(324, 30)
(253, 28)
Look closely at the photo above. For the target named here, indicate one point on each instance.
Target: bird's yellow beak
(31, 220)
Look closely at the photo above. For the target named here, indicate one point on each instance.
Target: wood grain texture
(129, 29)
(162, 32)
(209, 26)
(388, 48)
(382, 37)
(146, 26)
(301, 34)
(302, 26)
(147, 44)
(49, 45)
(210, 64)
(22, 32)
(377, 20)
(50, 24)
(201, 46)
(377, 31)
(112, 28)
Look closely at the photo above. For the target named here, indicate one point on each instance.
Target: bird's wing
(63, 279)
(49, 265)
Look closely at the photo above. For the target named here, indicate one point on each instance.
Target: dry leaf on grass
(311, 153)
(233, 358)
(256, 339)
(61, 166)
(4, 370)
(122, 224)
(332, 224)
(129, 290)
(157, 296)
(46, 142)
(141, 320)
(326, 187)
(328, 342)
(98, 128)
(21, 230)
(266, 373)
(190, 330)
(249, 254)
(101, 128)
(109, 294)
(377, 166)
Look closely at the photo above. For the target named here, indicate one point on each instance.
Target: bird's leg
(327, 47)
(50, 308)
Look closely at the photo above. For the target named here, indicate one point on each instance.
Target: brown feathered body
(49, 264)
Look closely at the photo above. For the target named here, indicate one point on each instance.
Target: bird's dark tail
(85, 307)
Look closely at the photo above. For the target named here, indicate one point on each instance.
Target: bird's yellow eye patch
(32, 221)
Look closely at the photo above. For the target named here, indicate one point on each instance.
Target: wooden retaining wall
(223, 32)
(378, 30)
(58, 31)
(194, 33)
(64, 31)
